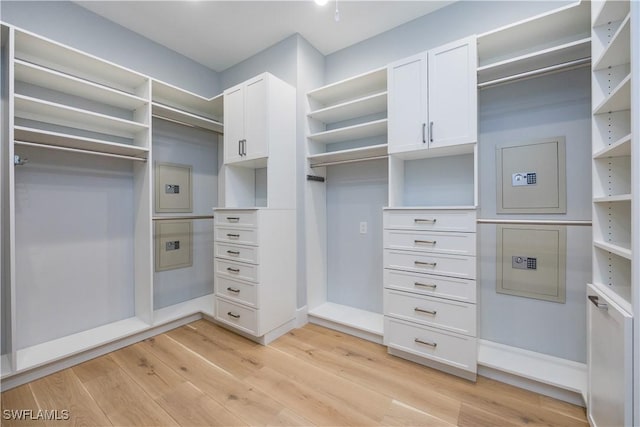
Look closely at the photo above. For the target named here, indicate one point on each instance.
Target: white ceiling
(220, 34)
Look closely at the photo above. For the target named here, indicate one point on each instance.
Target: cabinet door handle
(420, 220)
(233, 236)
(600, 305)
(239, 147)
(244, 147)
(232, 314)
(430, 131)
(425, 242)
(426, 285)
(430, 344)
(424, 139)
(233, 270)
(422, 310)
(233, 218)
(234, 290)
(236, 253)
(428, 264)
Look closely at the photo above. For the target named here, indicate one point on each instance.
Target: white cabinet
(429, 287)
(245, 120)
(433, 98)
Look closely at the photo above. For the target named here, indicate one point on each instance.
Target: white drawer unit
(240, 218)
(430, 288)
(237, 315)
(431, 241)
(236, 290)
(236, 270)
(239, 253)
(241, 236)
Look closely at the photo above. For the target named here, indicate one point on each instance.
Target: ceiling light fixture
(321, 2)
(336, 15)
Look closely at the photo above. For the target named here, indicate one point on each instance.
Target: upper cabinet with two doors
(433, 98)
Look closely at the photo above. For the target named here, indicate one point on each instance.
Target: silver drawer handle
(233, 236)
(426, 285)
(425, 242)
(429, 221)
(234, 290)
(600, 305)
(233, 270)
(422, 310)
(232, 314)
(430, 344)
(233, 218)
(230, 252)
(429, 264)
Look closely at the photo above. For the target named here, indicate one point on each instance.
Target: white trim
(302, 316)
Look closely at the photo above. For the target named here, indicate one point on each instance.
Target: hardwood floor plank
(400, 414)
(121, 398)
(470, 416)
(18, 400)
(288, 418)
(252, 406)
(564, 408)
(64, 391)
(191, 407)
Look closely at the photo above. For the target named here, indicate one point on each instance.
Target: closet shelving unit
(612, 347)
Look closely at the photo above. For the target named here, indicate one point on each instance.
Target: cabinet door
(453, 94)
(255, 119)
(609, 357)
(407, 104)
(233, 124)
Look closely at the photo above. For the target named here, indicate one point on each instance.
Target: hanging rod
(183, 123)
(78, 150)
(570, 65)
(534, 222)
(167, 218)
(340, 162)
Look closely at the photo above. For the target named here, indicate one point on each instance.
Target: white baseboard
(302, 316)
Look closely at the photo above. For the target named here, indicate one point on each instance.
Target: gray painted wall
(70, 24)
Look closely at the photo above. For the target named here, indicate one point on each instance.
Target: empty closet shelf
(184, 117)
(349, 133)
(351, 155)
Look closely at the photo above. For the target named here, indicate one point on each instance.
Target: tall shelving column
(615, 194)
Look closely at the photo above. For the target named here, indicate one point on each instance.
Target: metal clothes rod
(78, 150)
(534, 222)
(541, 71)
(180, 122)
(167, 218)
(341, 162)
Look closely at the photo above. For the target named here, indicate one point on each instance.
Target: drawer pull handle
(236, 253)
(428, 264)
(233, 270)
(426, 285)
(430, 344)
(233, 218)
(428, 221)
(422, 310)
(234, 290)
(425, 242)
(600, 305)
(233, 236)
(232, 314)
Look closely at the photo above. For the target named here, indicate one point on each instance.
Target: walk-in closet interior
(461, 189)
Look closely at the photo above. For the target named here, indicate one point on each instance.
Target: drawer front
(237, 252)
(456, 350)
(427, 241)
(428, 284)
(243, 236)
(239, 218)
(236, 270)
(241, 317)
(433, 220)
(242, 292)
(440, 264)
(453, 316)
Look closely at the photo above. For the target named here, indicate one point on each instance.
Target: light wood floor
(201, 374)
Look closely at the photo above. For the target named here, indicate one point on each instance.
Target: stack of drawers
(255, 294)
(430, 288)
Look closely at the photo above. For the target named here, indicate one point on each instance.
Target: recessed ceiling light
(321, 2)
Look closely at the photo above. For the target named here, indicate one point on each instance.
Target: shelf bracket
(315, 178)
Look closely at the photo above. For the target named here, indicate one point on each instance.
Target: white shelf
(616, 198)
(611, 11)
(40, 136)
(44, 77)
(620, 295)
(554, 28)
(349, 133)
(555, 55)
(189, 102)
(35, 49)
(355, 87)
(44, 111)
(619, 49)
(354, 154)
(351, 317)
(620, 148)
(204, 305)
(621, 249)
(618, 100)
(184, 117)
(371, 104)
